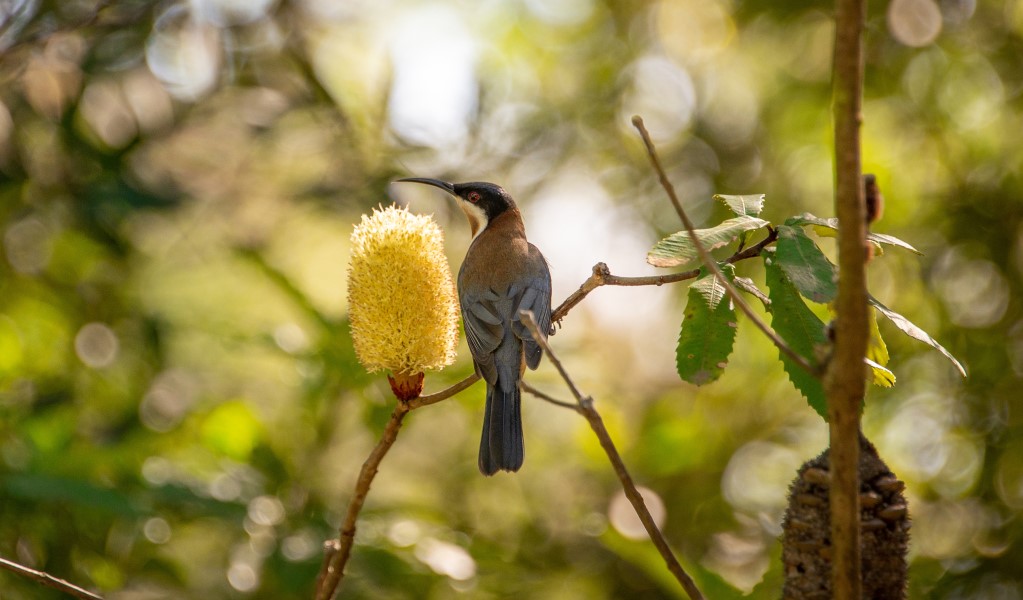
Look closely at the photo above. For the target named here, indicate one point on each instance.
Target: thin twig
(548, 398)
(602, 276)
(586, 408)
(709, 262)
(443, 394)
(338, 551)
(48, 580)
(844, 382)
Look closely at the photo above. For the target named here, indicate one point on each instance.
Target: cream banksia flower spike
(401, 298)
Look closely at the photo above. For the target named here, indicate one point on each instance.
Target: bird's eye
(474, 197)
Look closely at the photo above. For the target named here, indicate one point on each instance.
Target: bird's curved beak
(447, 187)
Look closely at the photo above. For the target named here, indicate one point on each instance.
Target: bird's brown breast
(500, 255)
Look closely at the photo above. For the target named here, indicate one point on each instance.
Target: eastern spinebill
(502, 274)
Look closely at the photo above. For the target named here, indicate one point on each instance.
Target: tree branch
(336, 552)
(548, 398)
(48, 580)
(586, 408)
(443, 394)
(709, 262)
(602, 276)
(844, 382)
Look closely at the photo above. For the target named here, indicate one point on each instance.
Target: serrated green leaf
(793, 320)
(880, 376)
(805, 265)
(708, 332)
(823, 226)
(678, 248)
(914, 332)
(746, 284)
(748, 205)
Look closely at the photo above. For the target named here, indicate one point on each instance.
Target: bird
(502, 274)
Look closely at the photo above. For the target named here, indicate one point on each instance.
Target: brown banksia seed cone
(884, 531)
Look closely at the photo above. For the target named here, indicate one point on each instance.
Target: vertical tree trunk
(845, 381)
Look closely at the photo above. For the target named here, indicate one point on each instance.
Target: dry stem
(584, 406)
(48, 580)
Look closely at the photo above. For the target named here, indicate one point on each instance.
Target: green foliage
(795, 268)
(678, 248)
(793, 320)
(805, 265)
(708, 331)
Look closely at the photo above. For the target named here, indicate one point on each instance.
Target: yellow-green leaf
(678, 248)
(747, 205)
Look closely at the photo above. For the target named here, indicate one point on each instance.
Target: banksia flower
(401, 299)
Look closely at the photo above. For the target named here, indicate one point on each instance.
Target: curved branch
(443, 394)
(336, 552)
(584, 406)
(48, 580)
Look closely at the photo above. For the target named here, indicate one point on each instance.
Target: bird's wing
(484, 329)
(536, 297)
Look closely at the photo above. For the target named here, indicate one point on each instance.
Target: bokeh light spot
(663, 94)
(446, 559)
(914, 23)
(242, 577)
(757, 476)
(27, 245)
(434, 91)
(168, 400)
(974, 290)
(157, 530)
(96, 345)
(623, 516)
(184, 54)
(266, 510)
(404, 533)
(226, 13)
(300, 546)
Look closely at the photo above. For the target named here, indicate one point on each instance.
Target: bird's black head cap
(481, 202)
(489, 197)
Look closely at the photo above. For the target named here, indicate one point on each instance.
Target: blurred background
(181, 411)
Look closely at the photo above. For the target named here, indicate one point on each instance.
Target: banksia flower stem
(337, 552)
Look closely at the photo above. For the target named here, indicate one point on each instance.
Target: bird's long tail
(501, 447)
